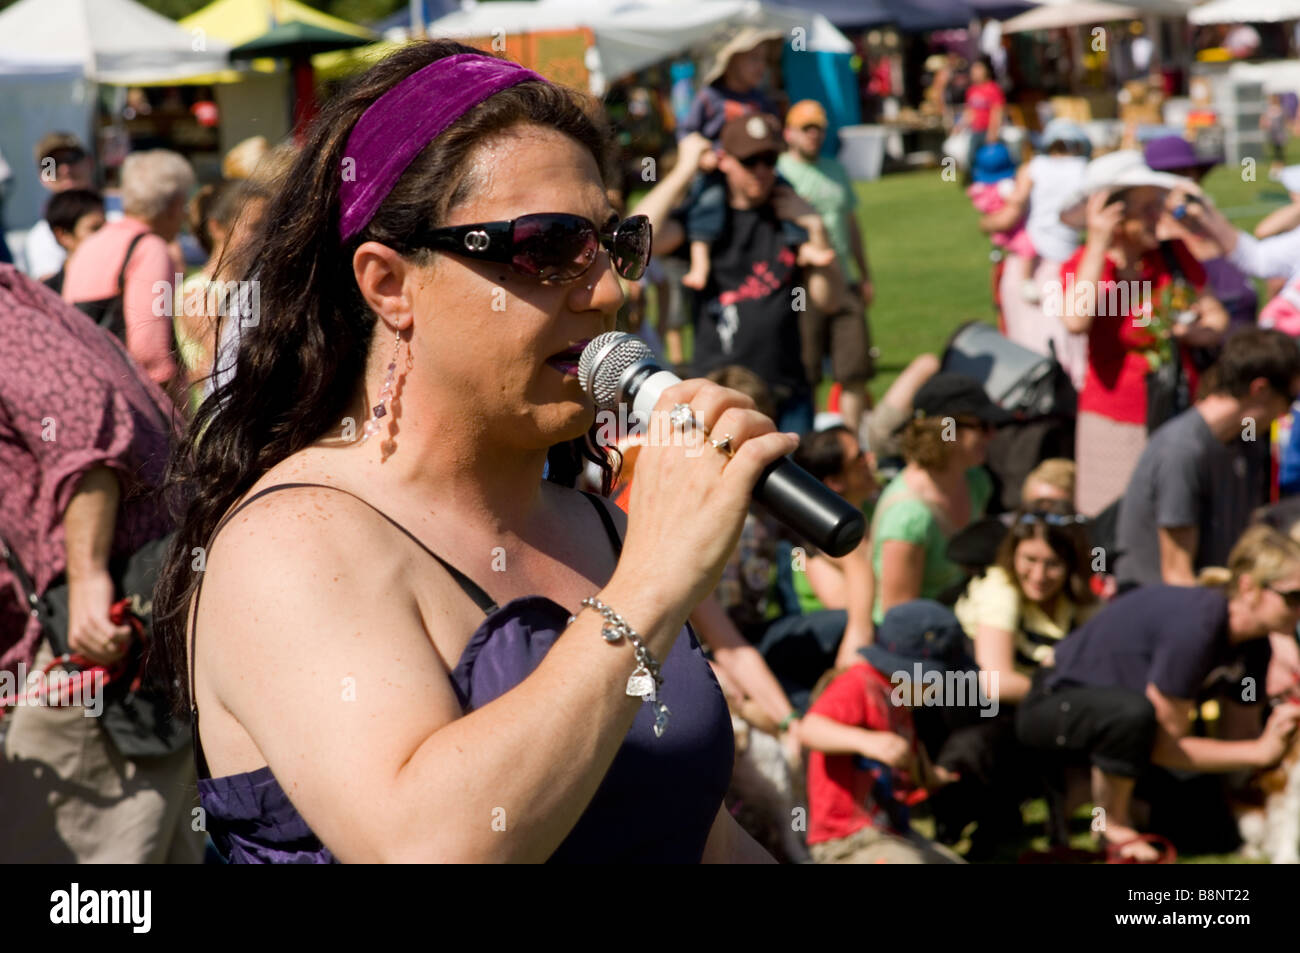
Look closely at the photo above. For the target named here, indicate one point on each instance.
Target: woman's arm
(356, 715)
(860, 597)
(1174, 749)
(1276, 223)
(995, 652)
(740, 660)
(729, 843)
(826, 579)
(1078, 310)
(902, 568)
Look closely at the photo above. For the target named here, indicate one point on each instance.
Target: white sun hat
(1125, 169)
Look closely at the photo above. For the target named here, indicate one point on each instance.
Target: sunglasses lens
(553, 247)
(631, 247)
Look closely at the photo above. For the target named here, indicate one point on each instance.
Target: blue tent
(433, 9)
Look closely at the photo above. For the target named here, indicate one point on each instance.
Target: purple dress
(656, 804)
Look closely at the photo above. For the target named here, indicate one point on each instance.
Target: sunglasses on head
(1052, 519)
(1292, 596)
(552, 247)
(767, 159)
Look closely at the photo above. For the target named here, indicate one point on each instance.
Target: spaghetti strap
(610, 529)
(467, 585)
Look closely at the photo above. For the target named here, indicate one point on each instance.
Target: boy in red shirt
(866, 767)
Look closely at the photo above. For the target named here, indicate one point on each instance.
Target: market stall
(54, 54)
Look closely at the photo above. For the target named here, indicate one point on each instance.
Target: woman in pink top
(984, 102)
(155, 185)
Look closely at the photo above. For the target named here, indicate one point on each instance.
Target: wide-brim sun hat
(1166, 153)
(742, 42)
(1126, 169)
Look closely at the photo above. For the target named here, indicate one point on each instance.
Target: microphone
(618, 368)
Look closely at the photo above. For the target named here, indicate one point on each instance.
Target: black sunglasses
(66, 156)
(1292, 596)
(763, 158)
(552, 247)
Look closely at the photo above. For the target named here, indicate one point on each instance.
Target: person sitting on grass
(835, 457)
(1016, 612)
(866, 765)
(1122, 688)
(942, 490)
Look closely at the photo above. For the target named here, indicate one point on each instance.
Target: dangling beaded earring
(385, 394)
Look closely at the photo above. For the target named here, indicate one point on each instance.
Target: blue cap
(919, 632)
(993, 163)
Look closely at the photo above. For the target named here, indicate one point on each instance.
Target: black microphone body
(618, 368)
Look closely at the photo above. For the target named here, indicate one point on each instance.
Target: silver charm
(641, 684)
(611, 632)
(661, 719)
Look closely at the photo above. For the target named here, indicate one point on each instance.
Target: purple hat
(1174, 152)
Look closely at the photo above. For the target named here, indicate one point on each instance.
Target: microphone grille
(603, 362)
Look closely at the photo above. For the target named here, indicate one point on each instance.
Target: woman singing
(382, 651)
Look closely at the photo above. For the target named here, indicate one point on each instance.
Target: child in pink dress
(994, 175)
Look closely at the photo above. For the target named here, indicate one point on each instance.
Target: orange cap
(806, 112)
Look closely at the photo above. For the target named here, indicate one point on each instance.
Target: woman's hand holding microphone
(693, 488)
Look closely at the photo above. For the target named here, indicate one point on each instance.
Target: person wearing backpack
(118, 275)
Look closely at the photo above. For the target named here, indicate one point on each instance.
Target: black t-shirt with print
(747, 312)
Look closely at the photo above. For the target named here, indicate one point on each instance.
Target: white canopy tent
(1053, 16)
(633, 34)
(114, 41)
(1246, 11)
(1057, 14)
(53, 52)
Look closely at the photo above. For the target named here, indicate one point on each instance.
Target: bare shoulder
(307, 570)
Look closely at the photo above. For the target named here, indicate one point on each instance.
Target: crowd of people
(382, 674)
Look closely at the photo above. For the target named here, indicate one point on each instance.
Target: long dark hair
(300, 364)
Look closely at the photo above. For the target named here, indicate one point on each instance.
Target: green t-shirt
(826, 187)
(901, 515)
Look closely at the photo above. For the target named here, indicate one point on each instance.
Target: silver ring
(724, 446)
(682, 417)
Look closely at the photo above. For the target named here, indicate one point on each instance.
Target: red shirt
(1115, 385)
(839, 792)
(980, 100)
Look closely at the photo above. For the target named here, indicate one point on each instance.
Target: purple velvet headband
(406, 119)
